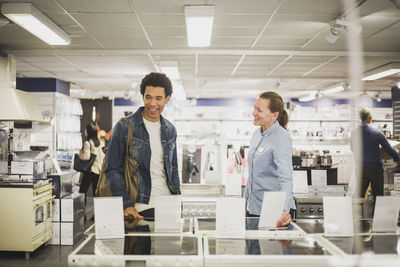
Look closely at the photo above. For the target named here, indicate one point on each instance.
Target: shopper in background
(101, 135)
(369, 158)
(91, 146)
(154, 149)
(270, 157)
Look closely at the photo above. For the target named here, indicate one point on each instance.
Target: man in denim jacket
(154, 149)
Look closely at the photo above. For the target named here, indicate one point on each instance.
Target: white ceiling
(256, 45)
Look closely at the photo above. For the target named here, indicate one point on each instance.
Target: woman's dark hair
(91, 130)
(156, 79)
(276, 105)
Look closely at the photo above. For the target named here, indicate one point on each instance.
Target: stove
(310, 205)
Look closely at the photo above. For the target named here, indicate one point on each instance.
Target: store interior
(327, 59)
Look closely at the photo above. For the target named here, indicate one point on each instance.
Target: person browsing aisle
(92, 145)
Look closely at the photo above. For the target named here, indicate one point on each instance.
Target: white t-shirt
(158, 176)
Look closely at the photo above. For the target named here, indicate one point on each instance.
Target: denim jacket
(141, 153)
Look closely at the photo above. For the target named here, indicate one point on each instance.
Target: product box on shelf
(68, 219)
(27, 167)
(56, 237)
(72, 206)
(62, 183)
(56, 210)
(70, 232)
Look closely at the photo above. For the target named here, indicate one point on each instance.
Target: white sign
(167, 213)
(338, 216)
(109, 217)
(396, 181)
(271, 210)
(319, 177)
(300, 183)
(386, 214)
(231, 217)
(233, 185)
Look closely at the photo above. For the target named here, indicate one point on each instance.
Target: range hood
(15, 105)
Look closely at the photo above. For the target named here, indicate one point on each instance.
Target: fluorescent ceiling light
(386, 70)
(32, 20)
(199, 22)
(170, 68)
(308, 97)
(332, 90)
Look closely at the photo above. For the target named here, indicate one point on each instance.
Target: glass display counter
(207, 226)
(293, 251)
(316, 226)
(139, 249)
(147, 226)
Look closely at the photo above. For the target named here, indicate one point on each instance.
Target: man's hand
(284, 220)
(131, 223)
(132, 213)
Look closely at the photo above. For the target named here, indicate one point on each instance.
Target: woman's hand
(284, 220)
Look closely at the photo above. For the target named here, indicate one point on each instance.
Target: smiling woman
(270, 157)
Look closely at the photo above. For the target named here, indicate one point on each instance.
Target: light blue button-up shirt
(270, 167)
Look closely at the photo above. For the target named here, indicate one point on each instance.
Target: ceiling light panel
(333, 90)
(199, 23)
(32, 20)
(382, 71)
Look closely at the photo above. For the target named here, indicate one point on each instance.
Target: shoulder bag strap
(129, 143)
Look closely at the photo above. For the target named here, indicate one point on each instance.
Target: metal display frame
(91, 229)
(75, 259)
(273, 233)
(338, 258)
(268, 260)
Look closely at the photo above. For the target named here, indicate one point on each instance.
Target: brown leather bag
(130, 171)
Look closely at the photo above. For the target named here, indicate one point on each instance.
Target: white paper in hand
(272, 208)
(386, 214)
(109, 216)
(167, 213)
(230, 217)
(338, 216)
